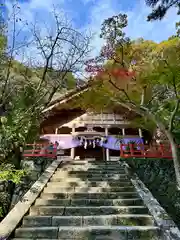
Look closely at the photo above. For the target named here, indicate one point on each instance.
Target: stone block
(30, 221)
(51, 189)
(37, 232)
(100, 220)
(145, 233)
(34, 175)
(54, 195)
(67, 221)
(46, 210)
(28, 164)
(135, 220)
(52, 202)
(91, 202)
(75, 233)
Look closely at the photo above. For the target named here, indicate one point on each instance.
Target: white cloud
(98, 13)
(137, 22)
(156, 30)
(102, 9)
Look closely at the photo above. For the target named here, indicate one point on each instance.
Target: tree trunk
(17, 158)
(144, 112)
(174, 148)
(175, 155)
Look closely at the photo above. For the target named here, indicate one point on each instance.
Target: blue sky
(89, 14)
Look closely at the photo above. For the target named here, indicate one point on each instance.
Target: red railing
(145, 151)
(40, 150)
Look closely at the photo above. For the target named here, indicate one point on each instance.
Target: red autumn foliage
(121, 72)
(118, 72)
(96, 65)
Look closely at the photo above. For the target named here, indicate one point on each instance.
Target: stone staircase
(88, 200)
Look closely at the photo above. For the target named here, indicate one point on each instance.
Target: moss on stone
(159, 176)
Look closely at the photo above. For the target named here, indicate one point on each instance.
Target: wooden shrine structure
(62, 120)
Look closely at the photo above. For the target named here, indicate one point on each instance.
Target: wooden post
(73, 149)
(107, 150)
(140, 133)
(121, 150)
(131, 150)
(34, 147)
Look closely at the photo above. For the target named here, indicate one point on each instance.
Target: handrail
(146, 151)
(40, 150)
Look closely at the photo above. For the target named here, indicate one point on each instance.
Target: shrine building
(85, 134)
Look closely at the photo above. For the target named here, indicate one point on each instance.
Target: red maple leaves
(121, 72)
(96, 66)
(98, 70)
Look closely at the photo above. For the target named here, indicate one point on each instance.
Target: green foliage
(143, 123)
(8, 172)
(160, 8)
(112, 28)
(157, 70)
(3, 43)
(16, 128)
(26, 90)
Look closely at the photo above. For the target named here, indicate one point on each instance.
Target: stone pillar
(56, 132)
(140, 133)
(73, 149)
(107, 150)
(123, 132)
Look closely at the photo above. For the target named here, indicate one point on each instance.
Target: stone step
(87, 174)
(88, 178)
(91, 171)
(98, 166)
(90, 233)
(101, 220)
(95, 161)
(91, 166)
(33, 239)
(94, 167)
(37, 233)
(59, 189)
(112, 195)
(86, 210)
(91, 184)
(89, 202)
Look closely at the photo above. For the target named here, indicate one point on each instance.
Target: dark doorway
(114, 153)
(90, 152)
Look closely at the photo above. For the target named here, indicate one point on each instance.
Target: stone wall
(35, 167)
(159, 177)
(5, 196)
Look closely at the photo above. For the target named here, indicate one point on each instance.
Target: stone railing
(167, 226)
(14, 217)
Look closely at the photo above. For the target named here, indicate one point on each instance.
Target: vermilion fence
(40, 150)
(145, 151)
(126, 151)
